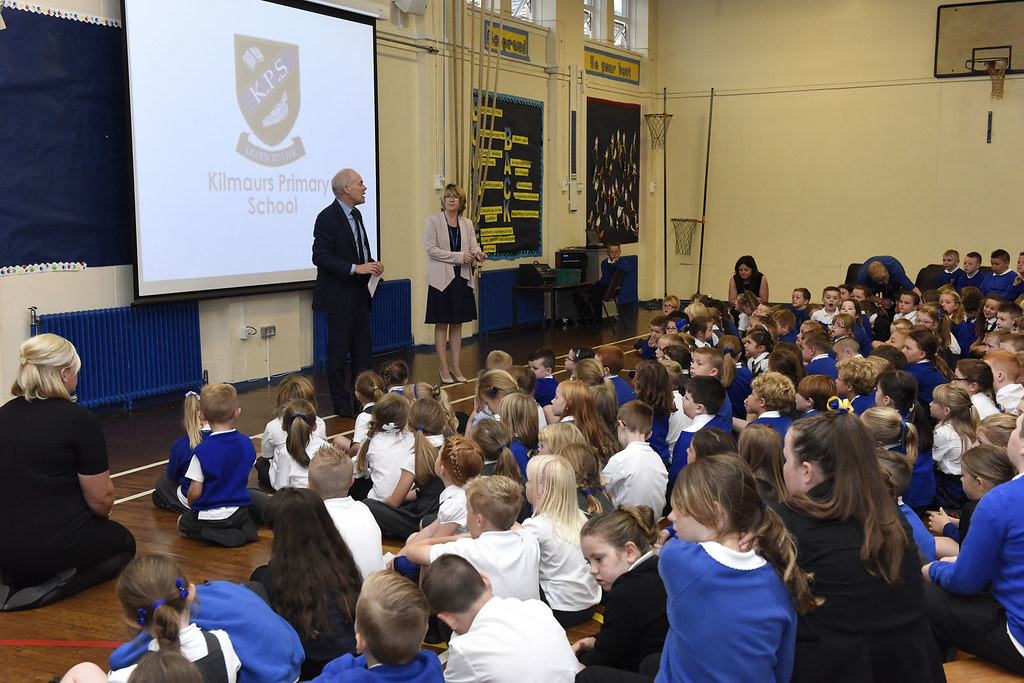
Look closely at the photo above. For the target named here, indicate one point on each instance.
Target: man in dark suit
(344, 264)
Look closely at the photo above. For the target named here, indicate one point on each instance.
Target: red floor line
(59, 643)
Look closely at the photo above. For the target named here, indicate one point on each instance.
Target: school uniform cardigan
(635, 620)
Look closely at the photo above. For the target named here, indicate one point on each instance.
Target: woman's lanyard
(454, 240)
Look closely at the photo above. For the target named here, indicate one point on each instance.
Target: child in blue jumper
(171, 490)
(391, 621)
(703, 398)
(648, 348)
(951, 273)
(963, 613)
(542, 363)
(218, 475)
(772, 399)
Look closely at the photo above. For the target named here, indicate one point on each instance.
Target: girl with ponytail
(618, 545)
(155, 595)
(850, 536)
(730, 555)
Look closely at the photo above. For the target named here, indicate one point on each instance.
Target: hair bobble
(493, 391)
(415, 391)
(191, 393)
(436, 391)
(836, 404)
(419, 429)
(144, 615)
(182, 590)
(305, 418)
(586, 491)
(728, 351)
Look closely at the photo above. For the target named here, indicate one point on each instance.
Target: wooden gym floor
(39, 644)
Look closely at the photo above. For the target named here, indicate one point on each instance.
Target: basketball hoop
(996, 70)
(657, 125)
(685, 229)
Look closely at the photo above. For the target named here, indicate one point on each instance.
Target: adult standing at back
(452, 248)
(886, 278)
(55, 489)
(344, 265)
(747, 278)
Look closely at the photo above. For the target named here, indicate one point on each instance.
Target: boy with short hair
(801, 297)
(1005, 379)
(498, 360)
(972, 276)
(669, 305)
(1000, 280)
(391, 621)
(648, 347)
(1006, 315)
(219, 474)
(496, 545)
(906, 306)
(330, 475)
(542, 363)
(772, 398)
(830, 301)
(951, 272)
(495, 638)
(1013, 342)
(814, 348)
(636, 475)
(613, 360)
(785, 325)
(856, 382)
(846, 348)
(703, 399)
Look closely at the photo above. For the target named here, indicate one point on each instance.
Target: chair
(611, 296)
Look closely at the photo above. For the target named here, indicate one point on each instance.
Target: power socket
(268, 331)
(243, 332)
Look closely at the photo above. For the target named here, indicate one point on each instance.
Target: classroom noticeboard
(510, 208)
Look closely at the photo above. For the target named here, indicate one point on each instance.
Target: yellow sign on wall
(615, 67)
(514, 42)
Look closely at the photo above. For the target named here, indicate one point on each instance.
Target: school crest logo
(267, 84)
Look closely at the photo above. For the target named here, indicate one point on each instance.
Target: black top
(754, 286)
(48, 444)
(635, 623)
(324, 648)
(865, 627)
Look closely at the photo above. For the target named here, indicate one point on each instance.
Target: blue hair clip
(182, 590)
(493, 392)
(144, 615)
(415, 391)
(436, 391)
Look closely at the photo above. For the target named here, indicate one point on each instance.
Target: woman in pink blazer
(451, 246)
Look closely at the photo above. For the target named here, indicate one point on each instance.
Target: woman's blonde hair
(455, 189)
(556, 496)
(40, 361)
(519, 412)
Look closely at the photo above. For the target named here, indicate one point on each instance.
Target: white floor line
(134, 496)
(138, 469)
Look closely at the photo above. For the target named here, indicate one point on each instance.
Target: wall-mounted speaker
(412, 6)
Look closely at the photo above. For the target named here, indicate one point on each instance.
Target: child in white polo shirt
(495, 545)
(636, 475)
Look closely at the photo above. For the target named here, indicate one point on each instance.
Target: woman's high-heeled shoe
(445, 380)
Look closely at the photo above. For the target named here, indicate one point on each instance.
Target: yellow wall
(831, 140)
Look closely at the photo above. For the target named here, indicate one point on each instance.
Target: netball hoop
(657, 126)
(996, 70)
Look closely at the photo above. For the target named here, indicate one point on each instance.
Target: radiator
(390, 321)
(133, 352)
(495, 301)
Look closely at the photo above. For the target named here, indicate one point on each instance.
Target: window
(620, 23)
(588, 23)
(522, 9)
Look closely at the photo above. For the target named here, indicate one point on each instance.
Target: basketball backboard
(969, 34)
